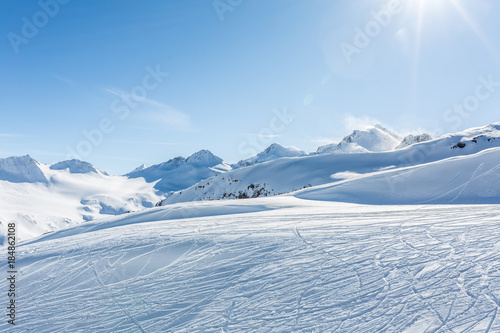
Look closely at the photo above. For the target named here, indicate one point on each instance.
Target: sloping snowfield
(277, 264)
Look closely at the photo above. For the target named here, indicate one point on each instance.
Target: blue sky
(241, 74)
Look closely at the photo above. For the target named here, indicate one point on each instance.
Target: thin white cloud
(64, 79)
(364, 122)
(122, 94)
(170, 117)
(159, 113)
(10, 135)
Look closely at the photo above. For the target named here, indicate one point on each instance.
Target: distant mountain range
(179, 173)
(46, 198)
(372, 165)
(289, 174)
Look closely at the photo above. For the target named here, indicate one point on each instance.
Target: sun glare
(430, 16)
(437, 10)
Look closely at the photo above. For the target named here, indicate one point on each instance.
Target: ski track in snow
(338, 268)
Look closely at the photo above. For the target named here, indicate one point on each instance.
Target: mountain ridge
(290, 174)
(51, 197)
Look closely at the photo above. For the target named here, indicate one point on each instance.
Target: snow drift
(472, 179)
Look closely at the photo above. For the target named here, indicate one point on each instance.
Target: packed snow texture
(266, 265)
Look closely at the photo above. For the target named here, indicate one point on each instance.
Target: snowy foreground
(279, 264)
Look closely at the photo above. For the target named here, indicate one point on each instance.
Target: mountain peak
(138, 169)
(75, 166)
(272, 147)
(273, 152)
(20, 169)
(179, 172)
(374, 139)
(204, 156)
(411, 139)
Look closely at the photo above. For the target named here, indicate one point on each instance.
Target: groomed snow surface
(279, 264)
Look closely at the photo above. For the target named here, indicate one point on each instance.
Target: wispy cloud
(170, 117)
(64, 79)
(122, 94)
(10, 135)
(364, 122)
(157, 112)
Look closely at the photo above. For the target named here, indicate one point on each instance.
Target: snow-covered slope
(290, 174)
(76, 166)
(139, 168)
(18, 169)
(411, 139)
(179, 173)
(273, 152)
(266, 265)
(42, 198)
(374, 139)
(471, 179)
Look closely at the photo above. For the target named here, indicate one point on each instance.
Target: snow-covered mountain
(19, 169)
(273, 152)
(411, 139)
(290, 174)
(373, 139)
(47, 198)
(76, 166)
(42, 198)
(179, 173)
(139, 168)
